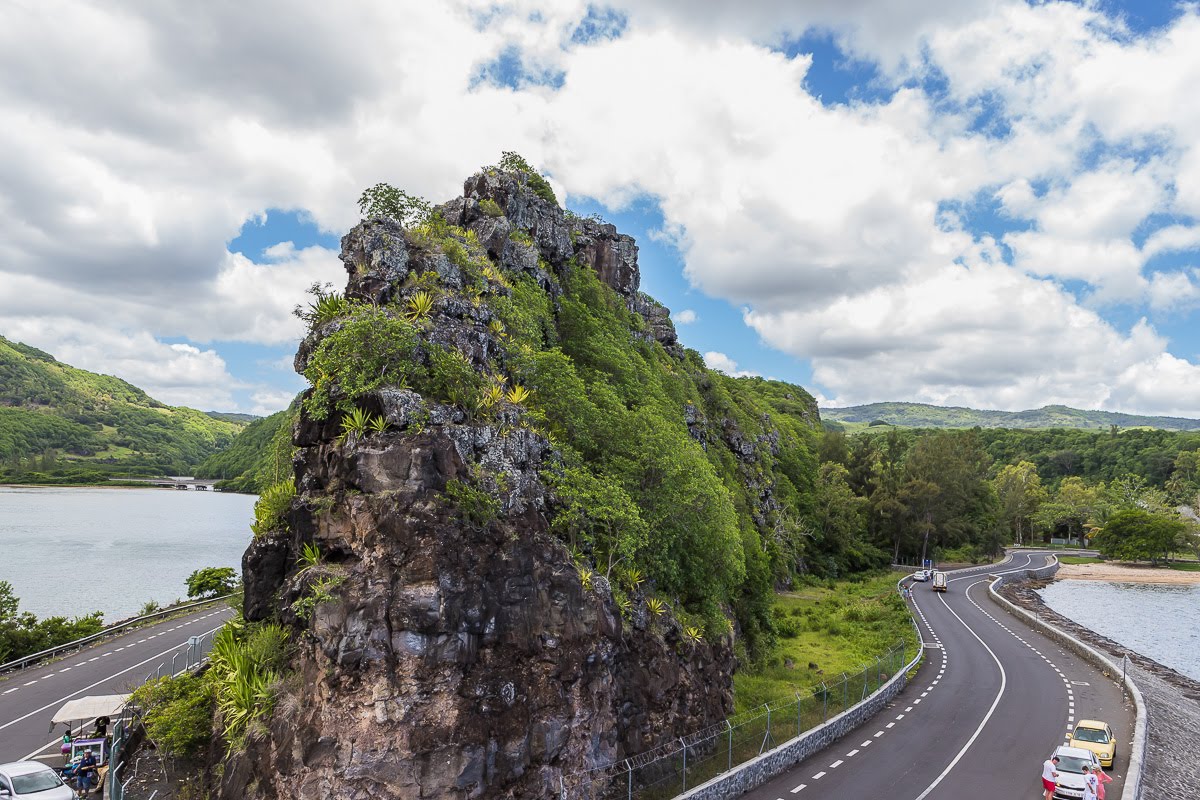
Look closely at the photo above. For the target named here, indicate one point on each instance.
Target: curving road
(29, 698)
(989, 703)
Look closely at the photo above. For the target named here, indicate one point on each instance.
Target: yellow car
(1096, 736)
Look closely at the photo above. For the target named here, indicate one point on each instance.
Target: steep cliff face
(453, 645)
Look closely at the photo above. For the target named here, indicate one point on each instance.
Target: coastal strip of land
(1120, 573)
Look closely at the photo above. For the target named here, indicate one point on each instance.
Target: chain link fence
(118, 778)
(675, 767)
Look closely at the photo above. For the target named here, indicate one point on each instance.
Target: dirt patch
(1124, 573)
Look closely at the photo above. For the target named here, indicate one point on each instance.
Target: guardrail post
(628, 780)
(682, 742)
(729, 733)
(845, 691)
(799, 715)
(824, 702)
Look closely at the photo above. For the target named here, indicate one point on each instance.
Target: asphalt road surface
(29, 698)
(991, 700)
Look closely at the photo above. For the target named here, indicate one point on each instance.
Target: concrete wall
(1137, 748)
(758, 771)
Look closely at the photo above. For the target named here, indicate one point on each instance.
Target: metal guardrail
(25, 661)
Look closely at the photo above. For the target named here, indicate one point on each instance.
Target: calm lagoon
(68, 551)
(1159, 621)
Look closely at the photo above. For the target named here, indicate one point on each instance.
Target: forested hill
(920, 415)
(63, 424)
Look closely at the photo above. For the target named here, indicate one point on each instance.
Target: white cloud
(722, 362)
(846, 230)
(685, 317)
(176, 374)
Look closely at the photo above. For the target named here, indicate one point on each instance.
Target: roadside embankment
(1172, 760)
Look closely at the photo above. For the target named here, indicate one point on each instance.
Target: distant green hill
(231, 416)
(920, 415)
(260, 456)
(67, 425)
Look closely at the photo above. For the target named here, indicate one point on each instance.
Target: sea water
(1160, 621)
(70, 551)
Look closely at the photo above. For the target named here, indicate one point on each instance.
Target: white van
(939, 581)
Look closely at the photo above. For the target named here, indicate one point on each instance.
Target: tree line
(921, 493)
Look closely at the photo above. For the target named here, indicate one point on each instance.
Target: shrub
(474, 505)
(385, 200)
(372, 349)
(271, 506)
(521, 237)
(211, 581)
(319, 591)
(245, 668)
(514, 162)
(490, 207)
(177, 713)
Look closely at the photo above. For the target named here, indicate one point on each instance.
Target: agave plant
(354, 424)
(657, 607)
(420, 304)
(518, 394)
(378, 424)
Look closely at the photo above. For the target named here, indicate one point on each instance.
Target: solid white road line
(64, 698)
(1003, 684)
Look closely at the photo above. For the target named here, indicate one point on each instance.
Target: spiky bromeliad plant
(354, 424)
(419, 305)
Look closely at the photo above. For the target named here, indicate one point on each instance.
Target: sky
(990, 203)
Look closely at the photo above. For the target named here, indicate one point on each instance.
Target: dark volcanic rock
(462, 656)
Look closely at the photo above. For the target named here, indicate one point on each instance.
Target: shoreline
(1119, 573)
(1172, 765)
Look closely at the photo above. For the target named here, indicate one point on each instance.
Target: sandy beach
(1126, 574)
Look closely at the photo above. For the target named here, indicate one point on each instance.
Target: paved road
(28, 699)
(989, 703)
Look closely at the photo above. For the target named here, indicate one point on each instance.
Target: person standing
(1102, 777)
(1091, 784)
(85, 773)
(1049, 776)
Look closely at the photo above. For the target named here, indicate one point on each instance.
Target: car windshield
(1072, 764)
(35, 782)
(1093, 735)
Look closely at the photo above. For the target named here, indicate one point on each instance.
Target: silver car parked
(33, 780)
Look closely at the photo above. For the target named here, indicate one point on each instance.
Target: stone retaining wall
(775, 762)
(1137, 749)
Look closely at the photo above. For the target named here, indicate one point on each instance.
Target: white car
(1071, 761)
(921, 575)
(33, 780)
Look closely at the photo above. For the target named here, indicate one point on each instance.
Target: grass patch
(1079, 560)
(838, 626)
(1188, 566)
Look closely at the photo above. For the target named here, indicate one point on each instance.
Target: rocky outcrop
(461, 653)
